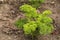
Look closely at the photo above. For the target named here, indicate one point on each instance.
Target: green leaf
(41, 1)
(36, 3)
(46, 29)
(19, 23)
(29, 27)
(27, 8)
(47, 20)
(47, 12)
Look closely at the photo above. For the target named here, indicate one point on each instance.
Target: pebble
(1, 0)
(53, 2)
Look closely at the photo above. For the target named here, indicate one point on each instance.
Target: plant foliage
(41, 23)
(31, 26)
(19, 23)
(36, 3)
(41, 1)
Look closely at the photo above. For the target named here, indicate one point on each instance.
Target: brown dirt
(9, 13)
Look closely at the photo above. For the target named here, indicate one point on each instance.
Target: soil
(9, 13)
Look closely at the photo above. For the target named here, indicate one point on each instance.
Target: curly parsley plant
(35, 22)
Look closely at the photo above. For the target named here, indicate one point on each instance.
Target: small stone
(9, 38)
(0, 14)
(15, 36)
(1, 0)
(53, 2)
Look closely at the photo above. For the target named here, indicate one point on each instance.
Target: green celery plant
(35, 23)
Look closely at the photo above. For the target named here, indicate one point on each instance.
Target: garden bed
(9, 13)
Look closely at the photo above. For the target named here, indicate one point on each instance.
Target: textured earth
(9, 13)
